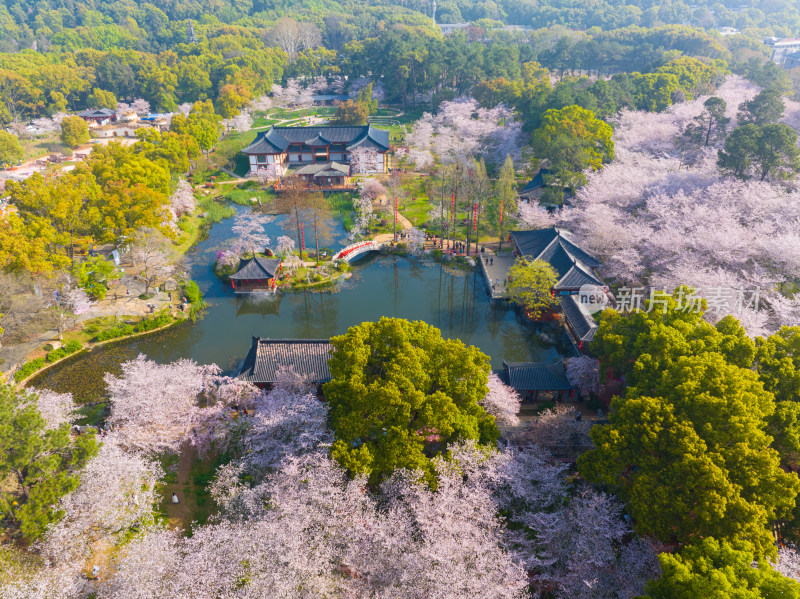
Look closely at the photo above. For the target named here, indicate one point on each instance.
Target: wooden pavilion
(256, 275)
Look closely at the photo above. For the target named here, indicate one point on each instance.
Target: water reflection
(454, 301)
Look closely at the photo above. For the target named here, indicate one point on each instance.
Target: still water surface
(454, 301)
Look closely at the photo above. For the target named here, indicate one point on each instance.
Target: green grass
(215, 211)
(202, 473)
(244, 197)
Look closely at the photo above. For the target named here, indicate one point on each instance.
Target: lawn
(41, 146)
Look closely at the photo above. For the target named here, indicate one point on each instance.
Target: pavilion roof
(580, 320)
(307, 357)
(537, 376)
(256, 268)
(277, 139)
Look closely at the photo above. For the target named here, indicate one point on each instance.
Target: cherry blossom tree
(366, 160)
(415, 240)
(649, 216)
(117, 491)
(534, 216)
(228, 258)
(151, 253)
(122, 108)
(67, 305)
(268, 174)
(462, 130)
(285, 245)
(262, 103)
(502, 402)
(558, 430)
(182, 200)
(140, 106)
(250, 235)
(154, 407)
(372, 190)
(584, 373)
(55, 408)
(242, 122)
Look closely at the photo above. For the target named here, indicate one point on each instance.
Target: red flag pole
(394, 229)
(475, 220)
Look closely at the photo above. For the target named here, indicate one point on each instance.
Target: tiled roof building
(307, 357)
(280, 147)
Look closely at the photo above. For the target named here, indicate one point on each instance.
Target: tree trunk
(316, 239)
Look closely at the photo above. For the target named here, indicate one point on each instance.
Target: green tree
(74, 131)
(765, 151)
(351, 112)
(767, 107)
(42, 462)
(203, 124)
(400, 394)
(778, 363)
(711, 125)
(531, 285)
(572, 140)
(714, 569)
(687, 446)
(94, 274)
(10, 148)
(101, 98)
(504, 205)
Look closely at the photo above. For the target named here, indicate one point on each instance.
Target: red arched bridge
(356, 250)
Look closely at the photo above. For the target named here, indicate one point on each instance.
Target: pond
(455, 301)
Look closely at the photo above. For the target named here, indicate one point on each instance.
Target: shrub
(192, 292)
(148, 324)
(118, 330)
(57, 354)
(73, 346)
(27, 369)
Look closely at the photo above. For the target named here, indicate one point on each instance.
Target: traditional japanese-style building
(255, 275)
(325, 174)
(267, 357)
(574, 267)
(101, 116)
(581, 325)
(281, 147)
(538, 380)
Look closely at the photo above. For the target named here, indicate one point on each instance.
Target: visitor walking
(174, 498)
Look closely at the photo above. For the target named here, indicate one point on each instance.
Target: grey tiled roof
(278, 139)
(537, 376)
(97, 112)
(256, 268)
(581, 322)
(324, 169)
(572, 264)
(308, 358)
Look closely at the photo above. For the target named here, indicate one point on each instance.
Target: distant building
(573, 266)
(112, 130)
(781, 48)
(535, 188)
(100, 116)
(282, 147)
(726, 31)
(791, 60)
(448, 28)
(267, 357)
